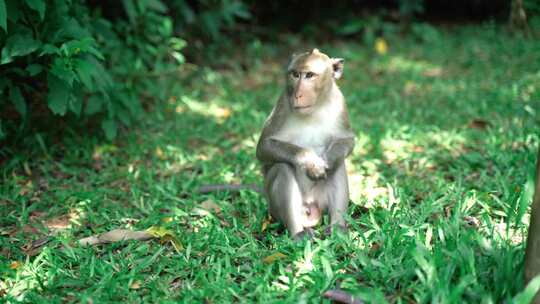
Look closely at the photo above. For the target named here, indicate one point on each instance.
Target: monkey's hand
(314, 165)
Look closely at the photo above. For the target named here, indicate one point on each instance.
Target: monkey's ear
(337, 66)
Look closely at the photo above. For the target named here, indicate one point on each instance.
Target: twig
(227, 187)
(341, 296)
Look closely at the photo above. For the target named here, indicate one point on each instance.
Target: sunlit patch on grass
(364, 183)
(208, 108)
(402, 64)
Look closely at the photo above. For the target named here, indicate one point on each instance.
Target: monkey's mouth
(301, 108)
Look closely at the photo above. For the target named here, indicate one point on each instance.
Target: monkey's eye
(310, 75)
(295, 74)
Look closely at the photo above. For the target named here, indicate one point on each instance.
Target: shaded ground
(447, 126)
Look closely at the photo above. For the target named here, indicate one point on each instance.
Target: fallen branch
(341, 296)
(227, 187)
(116, 236)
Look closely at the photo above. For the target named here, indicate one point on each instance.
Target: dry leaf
(165, 236)
(27, 169)
(26, 188)
(159, 231)
(160, 154)
(479, 124)
(15, 265)
(167, 219)
(471, 221)
(222, 113)
(265, 224)
(433, 72)
(135, 285)
(115, 236)
(58, 223)
(381, 46)
(210, 205)
(34, 247)
(273, 257)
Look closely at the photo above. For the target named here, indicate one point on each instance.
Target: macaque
(303, 146)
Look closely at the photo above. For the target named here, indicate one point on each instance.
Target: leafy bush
(63, 54)
(207, 18)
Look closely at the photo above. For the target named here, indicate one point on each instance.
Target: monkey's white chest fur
(312, 133)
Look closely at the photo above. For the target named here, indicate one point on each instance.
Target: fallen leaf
(179, 109)
(34, 247)
(115, 236)
(160, 154)
(210, 205)
(135, 285)
(15, 265)
(167, 219)
(165, 235)
(58, 223)
(222, 112)
(273, 257)
(265, 224)
(26, 168)
(176, 283)
(433, 72)
(26, 188)
(479, 124)
(471, 221)
(409, 88)
(374, 247)
(381, 46)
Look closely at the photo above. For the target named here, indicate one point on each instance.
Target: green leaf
(62, 69)
(37, 5)
(157, 6)
(109, 126)
(129, 7)
(75, 105)
(85, 45)
(2, 133)
(59, 92)
(85, 70)
(3, 15)
(18, 101)
(48, 49)
(4, 83)
(18, 45)
(93, 105)
(34, 69)
(527, 295)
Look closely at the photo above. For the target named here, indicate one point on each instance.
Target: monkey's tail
(204, 189)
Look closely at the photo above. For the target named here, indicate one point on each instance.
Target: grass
(447, 129)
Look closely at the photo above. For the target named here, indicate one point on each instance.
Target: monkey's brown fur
(303, 146)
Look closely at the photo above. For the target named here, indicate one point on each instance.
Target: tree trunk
(518, 17)
(532, 252)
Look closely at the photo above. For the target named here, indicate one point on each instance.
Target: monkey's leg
(284, 197)
(337, 193)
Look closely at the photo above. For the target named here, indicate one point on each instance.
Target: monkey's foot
(331, 228)
(306, 234)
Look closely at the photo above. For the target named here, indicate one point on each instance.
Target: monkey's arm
(338, 149)
(272, 150)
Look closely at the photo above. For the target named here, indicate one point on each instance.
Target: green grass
(447, 131)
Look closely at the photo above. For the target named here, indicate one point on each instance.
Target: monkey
(303, 146)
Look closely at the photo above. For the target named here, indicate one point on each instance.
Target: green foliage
(408, 8)
(54, 53)
(209, 17)
(447, 134)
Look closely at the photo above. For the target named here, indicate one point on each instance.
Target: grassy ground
(447, 126)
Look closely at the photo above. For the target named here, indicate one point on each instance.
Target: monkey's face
(310, 77)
